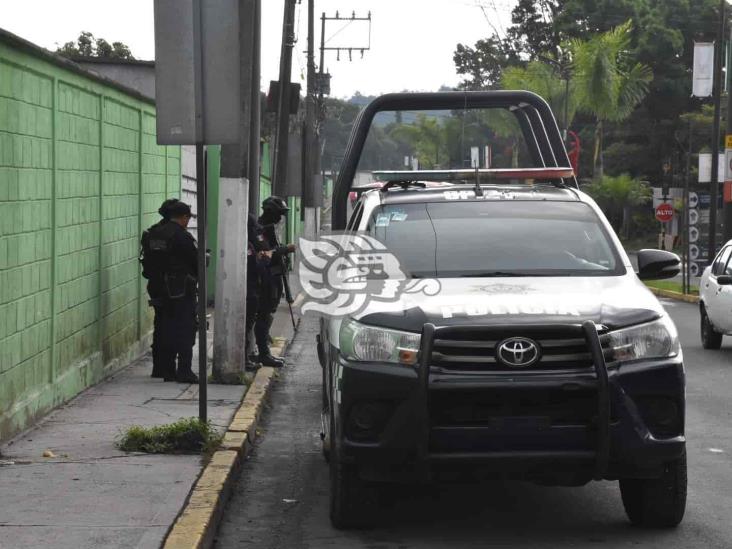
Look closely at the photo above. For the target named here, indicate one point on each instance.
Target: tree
(427, 137)
(548, 80)
(609, 84)
(617, 196)
(483, 64)
(662, 38)
(87, 45)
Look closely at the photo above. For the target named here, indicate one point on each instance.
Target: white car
(715, 304)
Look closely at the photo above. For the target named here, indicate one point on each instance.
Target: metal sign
(197, 72)
(703, 69)
(693, 234)
(693, 200)
(665, 212)
(705, 168)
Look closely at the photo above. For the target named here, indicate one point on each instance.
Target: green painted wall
(80, 176)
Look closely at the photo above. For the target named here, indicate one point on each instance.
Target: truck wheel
(657, 503)
(352, 501)
(711, 339)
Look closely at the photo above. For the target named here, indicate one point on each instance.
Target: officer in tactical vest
(155, 291)
(170, 263)
(271, 286)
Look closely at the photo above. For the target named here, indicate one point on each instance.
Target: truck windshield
(496, 239)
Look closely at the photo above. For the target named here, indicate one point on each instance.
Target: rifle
(286, 286)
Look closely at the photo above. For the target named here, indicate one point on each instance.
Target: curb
(199, 519)
(678, 296)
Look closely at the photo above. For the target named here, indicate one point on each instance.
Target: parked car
(541, 356)
(715, 299)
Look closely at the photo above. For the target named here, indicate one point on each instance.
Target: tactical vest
(160, 265)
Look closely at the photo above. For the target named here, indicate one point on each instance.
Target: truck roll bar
(535, 118)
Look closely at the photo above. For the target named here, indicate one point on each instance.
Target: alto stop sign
(665, 212)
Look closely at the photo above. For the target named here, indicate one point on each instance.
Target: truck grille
(560, 349)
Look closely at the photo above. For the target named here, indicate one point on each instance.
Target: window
(721, 261)
(497, 239)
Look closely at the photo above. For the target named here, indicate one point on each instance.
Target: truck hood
(615, 302)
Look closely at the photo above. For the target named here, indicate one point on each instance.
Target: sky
(412, 41)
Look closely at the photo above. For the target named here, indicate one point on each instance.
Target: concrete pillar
(310, 223)
(229, 358)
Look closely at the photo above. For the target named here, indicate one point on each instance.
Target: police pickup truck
(516, 341)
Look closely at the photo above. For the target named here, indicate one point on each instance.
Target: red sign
(665, 212)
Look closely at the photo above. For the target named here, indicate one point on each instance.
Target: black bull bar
(587, 329)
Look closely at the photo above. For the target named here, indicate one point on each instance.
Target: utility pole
(718, 57)
(310, 158)
(727, 208)
(279, 178)
(238, 174)
(255, 125)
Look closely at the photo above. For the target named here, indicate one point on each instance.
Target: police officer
(170, 264)
(257, 260)
(271, 287)
(155, 289)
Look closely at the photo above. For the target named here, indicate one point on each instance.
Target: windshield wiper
(496, 274)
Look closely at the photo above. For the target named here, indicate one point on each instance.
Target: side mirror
(724, 280)
(658, 264)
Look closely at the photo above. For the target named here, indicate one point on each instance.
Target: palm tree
(427, 139)
(608, 84)
(547, 79)
(617, 196)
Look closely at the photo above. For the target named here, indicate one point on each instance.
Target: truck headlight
(657, 339)
(364, 343)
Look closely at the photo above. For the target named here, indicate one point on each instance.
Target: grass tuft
(185, 436)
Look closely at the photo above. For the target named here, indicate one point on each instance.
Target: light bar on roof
(468, 174)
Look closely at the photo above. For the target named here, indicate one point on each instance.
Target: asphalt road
(281, 500)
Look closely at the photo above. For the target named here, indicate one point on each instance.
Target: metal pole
(201, 222)
(718, 53)
(279, 178)
(727, 207)
(309, 133)
(687, 218)
(255, 109)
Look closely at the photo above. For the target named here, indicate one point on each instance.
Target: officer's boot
(185, 366)
(269, 360)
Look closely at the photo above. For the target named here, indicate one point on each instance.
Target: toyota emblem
(518, 352)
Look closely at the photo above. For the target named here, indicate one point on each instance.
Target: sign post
(198, 94)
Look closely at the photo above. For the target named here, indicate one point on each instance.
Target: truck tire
(711, 339)
(353, 502)
(657, 503)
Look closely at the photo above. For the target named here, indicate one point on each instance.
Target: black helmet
(178, 209)
(165, 207)
(275, 205)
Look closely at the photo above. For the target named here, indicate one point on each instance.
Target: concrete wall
(80, 176)
(138, 75)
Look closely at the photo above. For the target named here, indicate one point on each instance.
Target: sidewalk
(90, 494)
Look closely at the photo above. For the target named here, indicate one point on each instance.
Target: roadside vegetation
(185, 436)
(671, 285)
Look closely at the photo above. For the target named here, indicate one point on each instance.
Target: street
(281, 499)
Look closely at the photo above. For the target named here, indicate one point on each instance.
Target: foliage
(484, 63)
(541, 77)
(671, 285)
(189, 435)
(617, 196)
(87, 45)
(609, 84)
(428, 139)
(662, 39)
